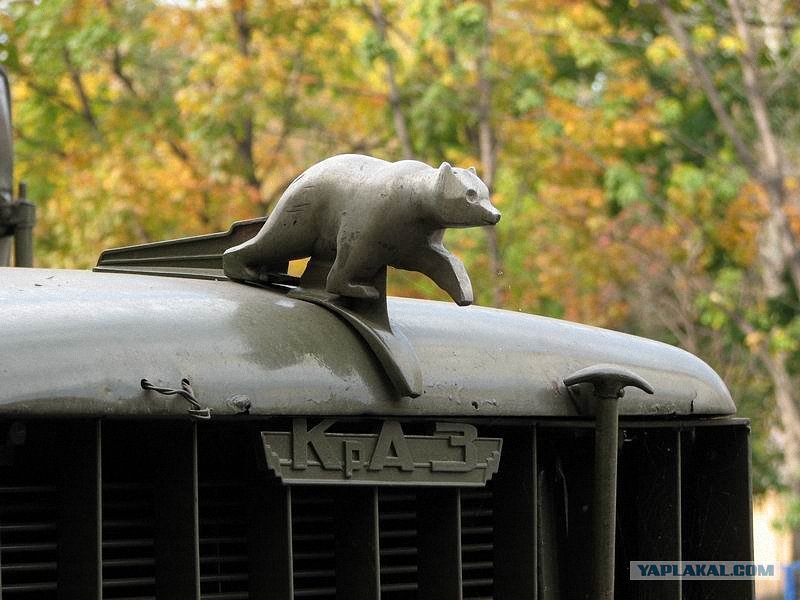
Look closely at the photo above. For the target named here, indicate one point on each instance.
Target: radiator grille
(477, 544)
(223, 540)
(29, 520)
(190, 511)
(128, 546)
(313, 543)
(399, 548)
(28, 533)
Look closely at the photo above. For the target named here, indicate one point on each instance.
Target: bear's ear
(446, 181)
(472, 170)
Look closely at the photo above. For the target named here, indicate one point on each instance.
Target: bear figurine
(360, 214)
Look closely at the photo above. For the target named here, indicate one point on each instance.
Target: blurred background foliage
(644, 154)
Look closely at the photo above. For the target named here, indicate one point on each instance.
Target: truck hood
(77, 343)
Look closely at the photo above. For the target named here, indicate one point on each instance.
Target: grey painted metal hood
(78, 343)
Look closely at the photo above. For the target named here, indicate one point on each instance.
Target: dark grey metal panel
(174, 448)
(6, 162)
(80, 511)
(292, 357)
(716, 508)
(439, 537)
(649, 509)
(6, 142)
(515, 511)
(270, 540)
(357, 552)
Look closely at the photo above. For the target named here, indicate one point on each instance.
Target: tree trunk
(398, 118)
(245, 140)
(790, 421)
(488, 154)
(778, 247)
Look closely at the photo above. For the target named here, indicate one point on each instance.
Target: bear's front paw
(464, 296)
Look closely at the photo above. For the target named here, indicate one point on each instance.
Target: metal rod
(23, 229)
(604, 526)
(608, 383)
(6, 242)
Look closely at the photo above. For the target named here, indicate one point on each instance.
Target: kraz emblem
(453, 455)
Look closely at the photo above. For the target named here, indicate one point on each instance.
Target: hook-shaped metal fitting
(609, 381)
(186, 392)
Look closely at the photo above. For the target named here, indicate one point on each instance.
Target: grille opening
(28, 519)
(565, 473)
(477, 544)
(397, 513)
(128, 515)
(222, 498)
(314, 542)
(648, 519)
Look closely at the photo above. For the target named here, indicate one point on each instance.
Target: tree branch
(245, 141)
(80, 90)
(707, 84)
(487, 146)
(755, 97)
(400, 125)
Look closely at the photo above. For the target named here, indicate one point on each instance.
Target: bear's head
(462, 199)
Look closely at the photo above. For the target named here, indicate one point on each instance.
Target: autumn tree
(736, 58)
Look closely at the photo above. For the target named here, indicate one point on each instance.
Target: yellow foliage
(663, 49)
(730, 44)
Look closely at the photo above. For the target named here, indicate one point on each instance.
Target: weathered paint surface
(78, 343)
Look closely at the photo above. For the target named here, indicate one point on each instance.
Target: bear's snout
(492, 216)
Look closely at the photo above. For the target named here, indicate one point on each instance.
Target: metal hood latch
(608, 383)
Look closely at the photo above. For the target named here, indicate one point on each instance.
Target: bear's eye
(472, 195)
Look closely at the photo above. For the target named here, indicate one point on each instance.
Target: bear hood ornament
(355, 215)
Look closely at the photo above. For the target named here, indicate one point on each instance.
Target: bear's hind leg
(344, 271)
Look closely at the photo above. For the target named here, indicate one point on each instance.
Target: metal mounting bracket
(370, 319)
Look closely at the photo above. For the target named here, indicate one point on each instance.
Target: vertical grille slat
(356, 514)
(516, 504)
(177, 530)
(564, 479)
(80, 511)
(439, 526)
(238, 552)
(271, 550)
